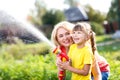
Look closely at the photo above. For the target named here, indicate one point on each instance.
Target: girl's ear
(87, 38)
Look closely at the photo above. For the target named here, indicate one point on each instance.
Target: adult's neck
(67, 49)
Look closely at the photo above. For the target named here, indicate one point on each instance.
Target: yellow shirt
(79, 58)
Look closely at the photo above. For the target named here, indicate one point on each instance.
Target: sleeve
(70, 51)
(88, 57)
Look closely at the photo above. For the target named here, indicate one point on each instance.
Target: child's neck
(81, 45)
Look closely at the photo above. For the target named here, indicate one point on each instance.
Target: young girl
(102, 62)
(80, 54)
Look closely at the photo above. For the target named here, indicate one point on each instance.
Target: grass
(111, 53)
(104, 38)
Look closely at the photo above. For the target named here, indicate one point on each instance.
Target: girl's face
(63, 37)
(78, 37)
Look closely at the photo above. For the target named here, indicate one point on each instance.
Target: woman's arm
(96, 71)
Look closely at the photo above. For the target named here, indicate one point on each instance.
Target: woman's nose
(64, 37)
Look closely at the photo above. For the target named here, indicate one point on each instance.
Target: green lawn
(103, 38)
(111, 52)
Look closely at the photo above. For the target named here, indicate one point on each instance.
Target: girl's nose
(74, 35)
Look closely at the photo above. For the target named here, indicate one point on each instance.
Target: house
(76, 14)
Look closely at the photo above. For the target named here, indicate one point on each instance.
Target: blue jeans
(105, 75)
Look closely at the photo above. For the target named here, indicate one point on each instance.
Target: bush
(97, 28)
(31, 67)
(18, 51)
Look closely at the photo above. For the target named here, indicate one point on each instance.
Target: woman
(61, 37)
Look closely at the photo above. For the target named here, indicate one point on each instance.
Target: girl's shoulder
(73, 45)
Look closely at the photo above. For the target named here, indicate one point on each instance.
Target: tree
(36, 15)
(52, 17)
(112, 13)
(71, 3)
(40, 15)
(95, 15)
(96, 19)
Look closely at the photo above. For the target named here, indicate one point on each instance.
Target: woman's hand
(64, 65)
(58, 60)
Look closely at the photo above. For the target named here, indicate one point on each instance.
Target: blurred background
(25, 31)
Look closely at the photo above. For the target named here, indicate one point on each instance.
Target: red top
(103, 64)
(62, 48)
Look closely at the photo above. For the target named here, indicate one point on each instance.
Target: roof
(74, 14)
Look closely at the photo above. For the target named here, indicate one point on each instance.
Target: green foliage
(41, 16)
(112, 13)
(37, 13)
(103, 38)
(111, 53)
(113, 46)
(29, 68)
(42, 67)
(18, 51)
(68, 75)
(53, 17)
(97, 28)
(95, 15)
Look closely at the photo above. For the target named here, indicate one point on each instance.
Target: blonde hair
(87, 29)
(64, 24)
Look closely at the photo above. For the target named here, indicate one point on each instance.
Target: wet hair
(64, 24)
(86, 28)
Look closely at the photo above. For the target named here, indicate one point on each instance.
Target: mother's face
(63, 37)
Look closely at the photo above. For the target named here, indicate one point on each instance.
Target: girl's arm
(84, 71)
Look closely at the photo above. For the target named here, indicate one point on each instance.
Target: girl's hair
(80, 27)
(64, 24)
(86, 28)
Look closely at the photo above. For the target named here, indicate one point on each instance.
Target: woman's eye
(60, 36)
(67, 33)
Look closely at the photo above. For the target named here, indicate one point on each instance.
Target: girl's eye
(79, 32)
(73, 32)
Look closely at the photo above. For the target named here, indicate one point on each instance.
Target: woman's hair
(86, 28)
(64, 24)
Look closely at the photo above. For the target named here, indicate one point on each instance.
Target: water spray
(37, 33)
(31, 28)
